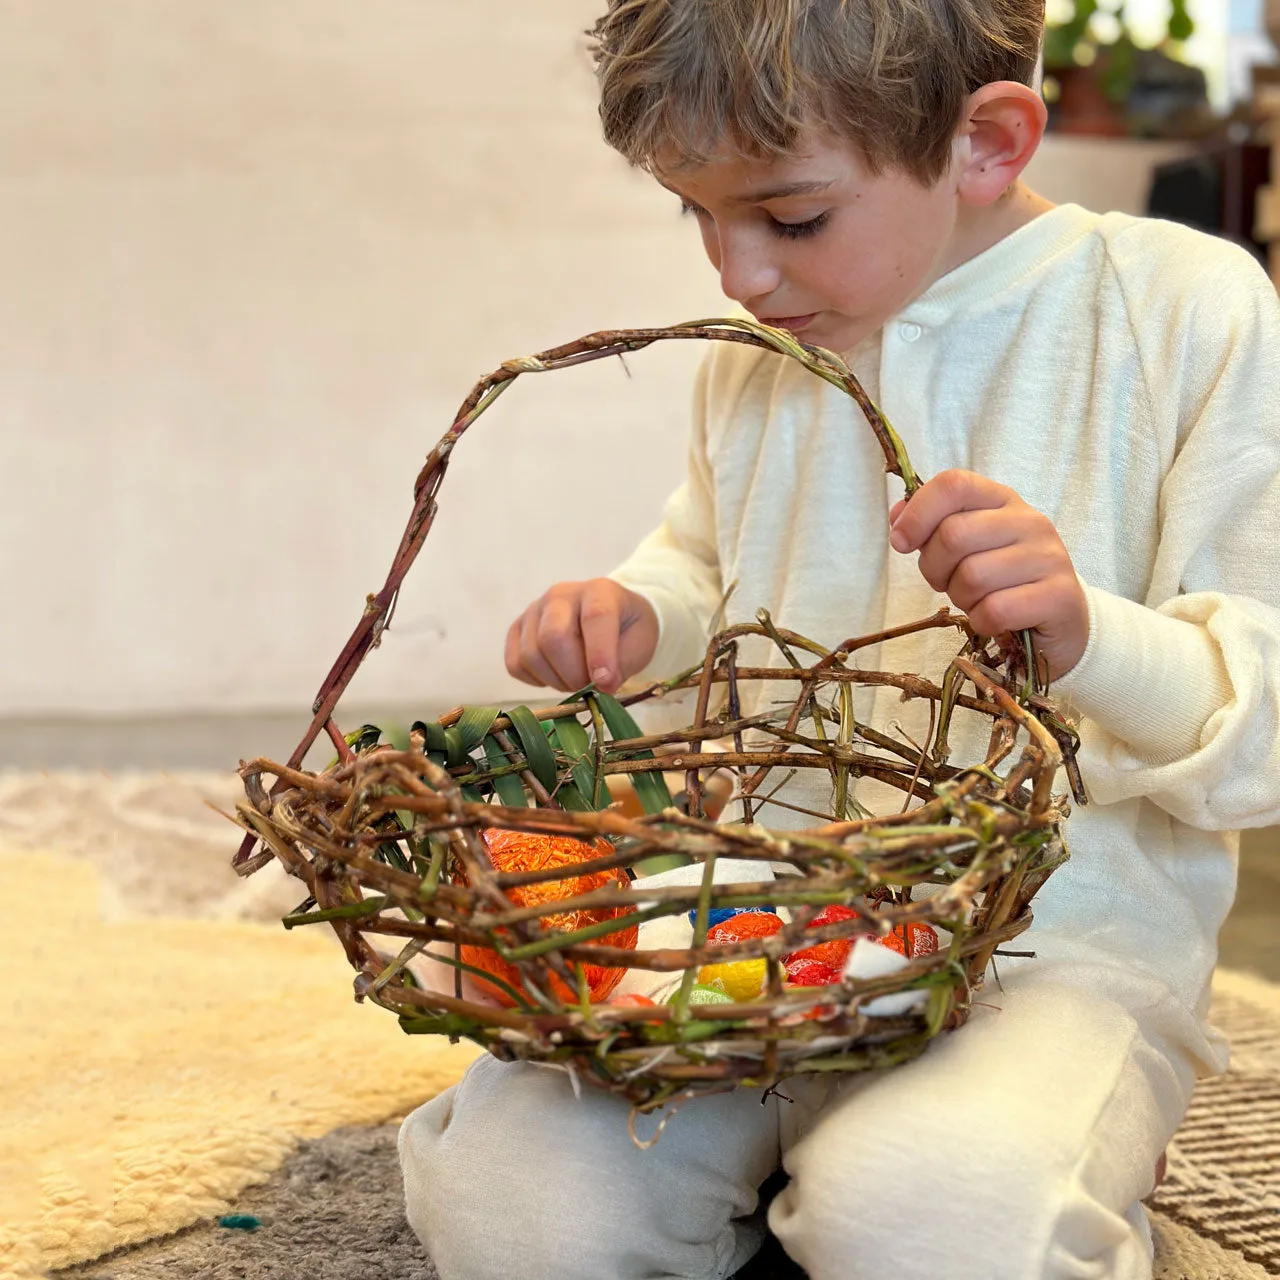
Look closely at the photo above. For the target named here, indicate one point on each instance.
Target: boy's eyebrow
(763, 194)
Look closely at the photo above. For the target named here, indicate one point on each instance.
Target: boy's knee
(421, 1162)
(509, 1174)
(948, 1188)
(917, 1212)
(495, 1171)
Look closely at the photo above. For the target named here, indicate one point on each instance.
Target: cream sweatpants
(1016, 1148)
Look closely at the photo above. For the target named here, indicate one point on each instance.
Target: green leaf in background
(651, 788)
(509, 788)
(474, 724)
(537, 749)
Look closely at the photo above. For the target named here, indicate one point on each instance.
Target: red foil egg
(804, 971)
(808, 971)
(835, 952)
(524, 851)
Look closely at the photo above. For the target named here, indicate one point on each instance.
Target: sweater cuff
(1151, 680)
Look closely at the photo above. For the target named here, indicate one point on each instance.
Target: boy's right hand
(581, 633)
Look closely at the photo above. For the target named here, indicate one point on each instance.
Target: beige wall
(253, 253)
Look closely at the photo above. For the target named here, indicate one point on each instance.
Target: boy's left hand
(999, 560)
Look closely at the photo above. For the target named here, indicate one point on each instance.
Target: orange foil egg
(523, 851)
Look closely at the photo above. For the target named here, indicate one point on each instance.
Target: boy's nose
(746, 273)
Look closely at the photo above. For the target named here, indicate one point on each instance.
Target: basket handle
(380, 607)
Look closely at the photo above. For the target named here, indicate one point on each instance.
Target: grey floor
(1250, 940)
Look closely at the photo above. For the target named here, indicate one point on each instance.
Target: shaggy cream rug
(153, 1066)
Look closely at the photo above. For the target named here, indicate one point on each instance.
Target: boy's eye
(786, 230)
(798, 230)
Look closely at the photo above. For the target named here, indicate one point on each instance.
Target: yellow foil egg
(742, 979)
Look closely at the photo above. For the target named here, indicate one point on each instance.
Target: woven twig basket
(391, 844)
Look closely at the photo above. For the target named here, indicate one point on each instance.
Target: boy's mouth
(792, 323)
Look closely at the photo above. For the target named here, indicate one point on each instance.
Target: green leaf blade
(537, 749)
(433, 733)
(650, 788)
(474, 724)
(572, 737)
(454, 749)
(508, 787)
(572, 740)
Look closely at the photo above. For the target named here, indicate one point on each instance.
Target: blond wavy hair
(690, 78)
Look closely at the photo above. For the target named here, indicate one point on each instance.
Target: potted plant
(1099, 81)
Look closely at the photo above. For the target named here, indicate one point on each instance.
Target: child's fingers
(581, 633)
(961, 536)
(944, 495)
(1021, 608)
(511, 653)
(531, 657)
(600, 617)
(979, 576)
(560, 640)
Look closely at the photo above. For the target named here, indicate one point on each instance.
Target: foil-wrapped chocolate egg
(923, 940)
(526, 851)
(704, 993)
(808, 971)
(833, 953)
(718, 915)
(742, 980)
(743, 925)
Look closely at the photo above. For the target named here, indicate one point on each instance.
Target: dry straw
(389, 842)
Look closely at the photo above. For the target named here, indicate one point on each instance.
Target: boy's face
(815, 242)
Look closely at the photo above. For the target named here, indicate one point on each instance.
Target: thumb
(600, 617)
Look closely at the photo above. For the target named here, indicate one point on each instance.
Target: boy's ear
(1000, 129)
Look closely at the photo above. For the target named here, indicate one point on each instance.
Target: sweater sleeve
(1181, 693)
(677, 567)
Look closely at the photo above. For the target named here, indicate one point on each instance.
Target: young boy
(1096, 401)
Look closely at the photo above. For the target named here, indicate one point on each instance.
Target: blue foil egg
(717, 915)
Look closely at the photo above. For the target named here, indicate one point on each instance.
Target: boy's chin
(836, 333)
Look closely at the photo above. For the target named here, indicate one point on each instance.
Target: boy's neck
(980, 228)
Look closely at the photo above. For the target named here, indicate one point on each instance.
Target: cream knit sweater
(1123, 376)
